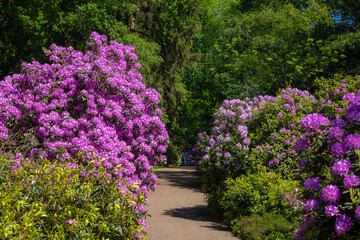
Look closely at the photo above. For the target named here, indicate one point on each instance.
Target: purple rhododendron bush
(294, 156)
(83, 105)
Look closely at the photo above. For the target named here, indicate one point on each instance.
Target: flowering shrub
(311, 141)
(251, 132)
(92, 103)
(54, 200)
(224, 153)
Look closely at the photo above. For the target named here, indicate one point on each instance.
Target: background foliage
(197, 53)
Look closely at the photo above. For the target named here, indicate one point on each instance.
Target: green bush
(54, 200)
(173, 155)
(256, 193)
(269, 226)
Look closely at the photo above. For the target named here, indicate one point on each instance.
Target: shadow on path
(182, 179)
(197, 213)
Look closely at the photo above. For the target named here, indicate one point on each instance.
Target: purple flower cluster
(314, 122)
(331, 194)
(338, 122)
(339, 149)
(301, 145)
(336, 133)
(331, 210)
(351, 181)
(352, 141)
(342, 224)
(353, 112)
(311, 205)
(312, 183)
(357, 212)
(341, 167)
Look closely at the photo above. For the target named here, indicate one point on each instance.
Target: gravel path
(179, 211)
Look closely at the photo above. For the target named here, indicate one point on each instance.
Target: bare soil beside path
(179, 211)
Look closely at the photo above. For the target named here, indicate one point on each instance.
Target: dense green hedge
(54, 200)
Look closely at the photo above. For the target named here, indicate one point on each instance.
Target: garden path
(179, 211)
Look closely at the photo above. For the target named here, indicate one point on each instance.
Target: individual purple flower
(352, 141)
(331, 210)
(336, 133)
(275, 138)
(276, 160)
(158, 111)
(311, 205)
(337, 91)
(339, 149)
(301, 145)
(341, 167)
(293, 112)
(357, 213)
(287, 106)
(312, 183)
(339, 110)
(329, 102)
(227, 155)
(246, 141)
(351, 181)
(288, 141)
(243, 130)
(331, 194)
(279, 114)
(342, 224)
(343, 85)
